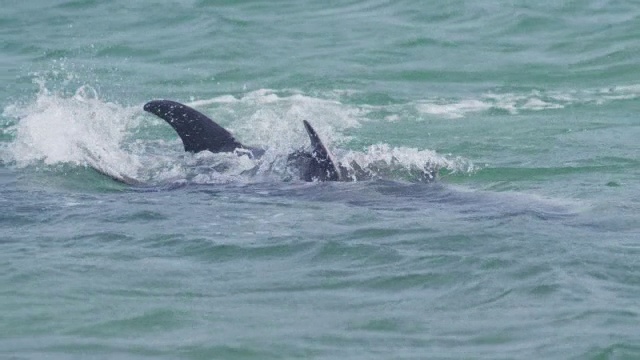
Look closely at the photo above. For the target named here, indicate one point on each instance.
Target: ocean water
(527, 246)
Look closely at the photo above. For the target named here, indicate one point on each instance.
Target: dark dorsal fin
(322, 166)
(198, 132)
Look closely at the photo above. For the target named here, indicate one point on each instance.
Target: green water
(526, 247)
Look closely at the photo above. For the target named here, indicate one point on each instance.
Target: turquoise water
(527, 245)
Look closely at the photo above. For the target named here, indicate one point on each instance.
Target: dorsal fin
(322, 167)
(198, 132)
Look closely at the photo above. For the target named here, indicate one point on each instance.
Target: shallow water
(525, 247)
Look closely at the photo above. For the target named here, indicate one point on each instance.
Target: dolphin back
(197, 132)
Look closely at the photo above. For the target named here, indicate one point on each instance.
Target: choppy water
(526, 247)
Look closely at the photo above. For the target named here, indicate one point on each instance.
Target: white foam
(514, 103)
(452, 110)
(79, 130)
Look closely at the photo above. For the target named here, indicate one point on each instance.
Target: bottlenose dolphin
(199, 133)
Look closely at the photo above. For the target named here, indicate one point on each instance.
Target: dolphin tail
(198, 132)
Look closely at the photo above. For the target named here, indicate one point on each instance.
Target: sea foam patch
(515, 103)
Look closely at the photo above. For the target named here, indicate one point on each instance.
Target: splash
(274, 119)
(410, 164)
(80, 130)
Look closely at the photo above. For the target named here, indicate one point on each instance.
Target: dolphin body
(199, 133)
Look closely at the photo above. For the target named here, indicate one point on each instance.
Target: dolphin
(199, 133)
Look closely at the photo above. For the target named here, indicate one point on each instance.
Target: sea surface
(527, 246)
